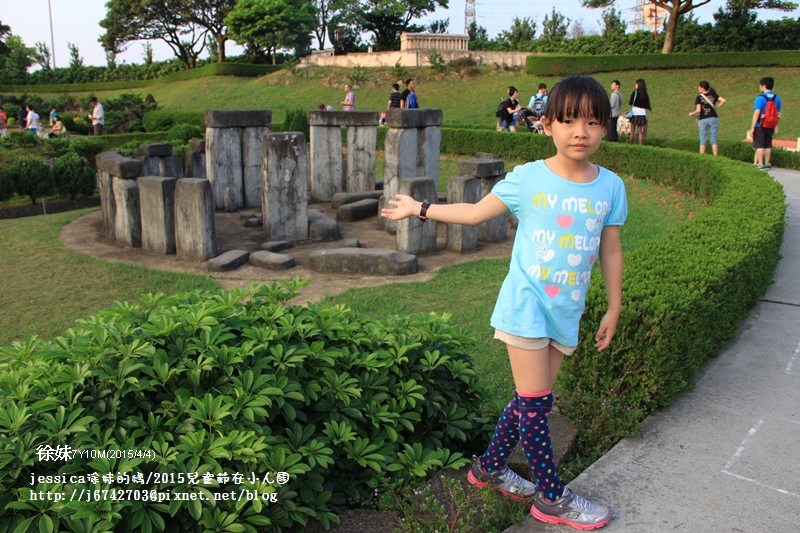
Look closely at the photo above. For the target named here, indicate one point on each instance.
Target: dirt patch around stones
(85, 235)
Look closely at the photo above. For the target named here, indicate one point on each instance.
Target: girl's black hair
(511, 91)
(641, 88)
(705, 85)
(578, 96)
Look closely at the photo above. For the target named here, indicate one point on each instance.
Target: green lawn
(472, 101)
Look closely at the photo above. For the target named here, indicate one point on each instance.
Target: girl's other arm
(468, 214)
(611, 263)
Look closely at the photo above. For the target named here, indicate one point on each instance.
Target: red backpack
(769, 119)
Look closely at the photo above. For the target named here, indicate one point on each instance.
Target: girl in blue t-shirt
(569, 211)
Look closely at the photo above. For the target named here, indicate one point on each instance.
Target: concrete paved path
(726, 456)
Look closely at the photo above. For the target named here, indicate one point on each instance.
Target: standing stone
(285, 187)
(325, 178)
(252, 156)
(150, 165)
(462, 189)
(107, 202)
(224, 166)
(170, 167)
(127, 221)
(400, 148)
(413, 235)
(496, 229)
(195, 238)
(194, 164)
(157, 203)
(429, 141)
(361, 150)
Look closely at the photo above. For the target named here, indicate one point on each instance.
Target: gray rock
(228, 261)
(252, 158)
(343, 118)
(117, 165)
(352, 243)
(157, 203)
(496, 229)
(127, 220)
(198, 145)
(379, 185)
(565, 442)
(238, 118)
(357, 210)
(150, 165)
(462, 189)
(194, 165)
(413, 118)
(284, 191)
(481, 168)
(245, 216)
(272, 261)
(195, 236)
(224, 166)
(322, 227)
(325, 163)
(107, 202)
(155, 150)
(277, 246)
(170, 166)
(413, 235)
(253, 223)
(359, 172)
(366, 261)
(341, 198)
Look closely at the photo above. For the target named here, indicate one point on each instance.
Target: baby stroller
(532, 120)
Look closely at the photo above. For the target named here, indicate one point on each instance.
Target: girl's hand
(405, 207)
(606, 332)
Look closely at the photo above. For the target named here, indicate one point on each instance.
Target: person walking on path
(98, 117)
(616, 105)
(32, 120)
(537, 315)
(762, 137)
(706, 105)
(509, 106)
(640, 102)
(3, 123)
(22, 117)
(349, 103)
(408, 98)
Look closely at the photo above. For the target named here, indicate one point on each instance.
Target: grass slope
(472, 101)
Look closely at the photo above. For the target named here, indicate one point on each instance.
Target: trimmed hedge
(164, 119)
(225, 385)
(684, 293)
(212, 69)
(564, 65)
(115, 141)
(738, 151)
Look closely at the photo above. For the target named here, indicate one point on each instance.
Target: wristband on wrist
(424, 210)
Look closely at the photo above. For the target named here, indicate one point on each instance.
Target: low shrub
(163, 120)
(74, 175)
(112, 142)
(88, 148)
(32, 177)
(296, 120)
(23, 139)
(183, 133)
(225, 385)
(75, 123)
(7, 186)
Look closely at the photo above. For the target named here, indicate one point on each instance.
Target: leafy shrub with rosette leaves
(207, 390)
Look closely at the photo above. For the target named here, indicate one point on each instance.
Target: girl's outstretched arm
(468, 214)
(611, 263)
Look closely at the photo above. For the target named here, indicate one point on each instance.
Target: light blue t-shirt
(556, 246)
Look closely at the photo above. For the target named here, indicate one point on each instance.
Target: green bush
(23, 139)
(112, 142)
(163, 120)
(296, 120)
(88, 148)
(74, 176)
(32, 178)
(738, 151)
(564, 65)
(7, 187)
(226, 383)
(183, 133)
(75, 123)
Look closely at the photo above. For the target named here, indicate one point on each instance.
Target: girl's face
(576, 137)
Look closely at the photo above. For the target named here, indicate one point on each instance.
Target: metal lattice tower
(469, 14)
(639, 22)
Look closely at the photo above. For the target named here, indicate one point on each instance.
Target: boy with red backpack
(766, 112)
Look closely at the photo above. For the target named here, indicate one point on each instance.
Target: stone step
(228, 261)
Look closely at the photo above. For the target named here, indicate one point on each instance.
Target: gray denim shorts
(527, 343)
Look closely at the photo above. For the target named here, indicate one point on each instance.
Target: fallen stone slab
(228, 261)
(248, 118)
(321, 227)
(155, 150)
(358, 210)
(253, 223)
(341, 198)
(481, 168)
(276, 246)
(366, 261)
(272, 261)
(245, 216)
(413, 118)
(118, 165)
(352, 243)
(343, 118)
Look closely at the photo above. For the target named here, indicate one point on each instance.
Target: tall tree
(387, 19)
(439, 26)
(327, 11)
(554, 26)
(210, 16)
(521, 31)
(267, 25)
(5, 32)
(128, 21)
(612, 23)
(676, 8)
(42, 55)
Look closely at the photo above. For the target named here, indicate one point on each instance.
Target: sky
(78, 22)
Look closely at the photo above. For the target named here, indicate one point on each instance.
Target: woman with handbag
(706, 105)
(640, 103)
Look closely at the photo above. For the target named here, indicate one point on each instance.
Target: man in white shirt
(98, 117)
(32, 120)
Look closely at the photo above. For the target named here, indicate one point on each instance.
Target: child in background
(560, 201)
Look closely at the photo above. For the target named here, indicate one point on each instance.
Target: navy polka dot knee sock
(534, 431)
(506, 436)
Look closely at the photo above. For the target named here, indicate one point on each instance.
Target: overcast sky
(78, 21)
